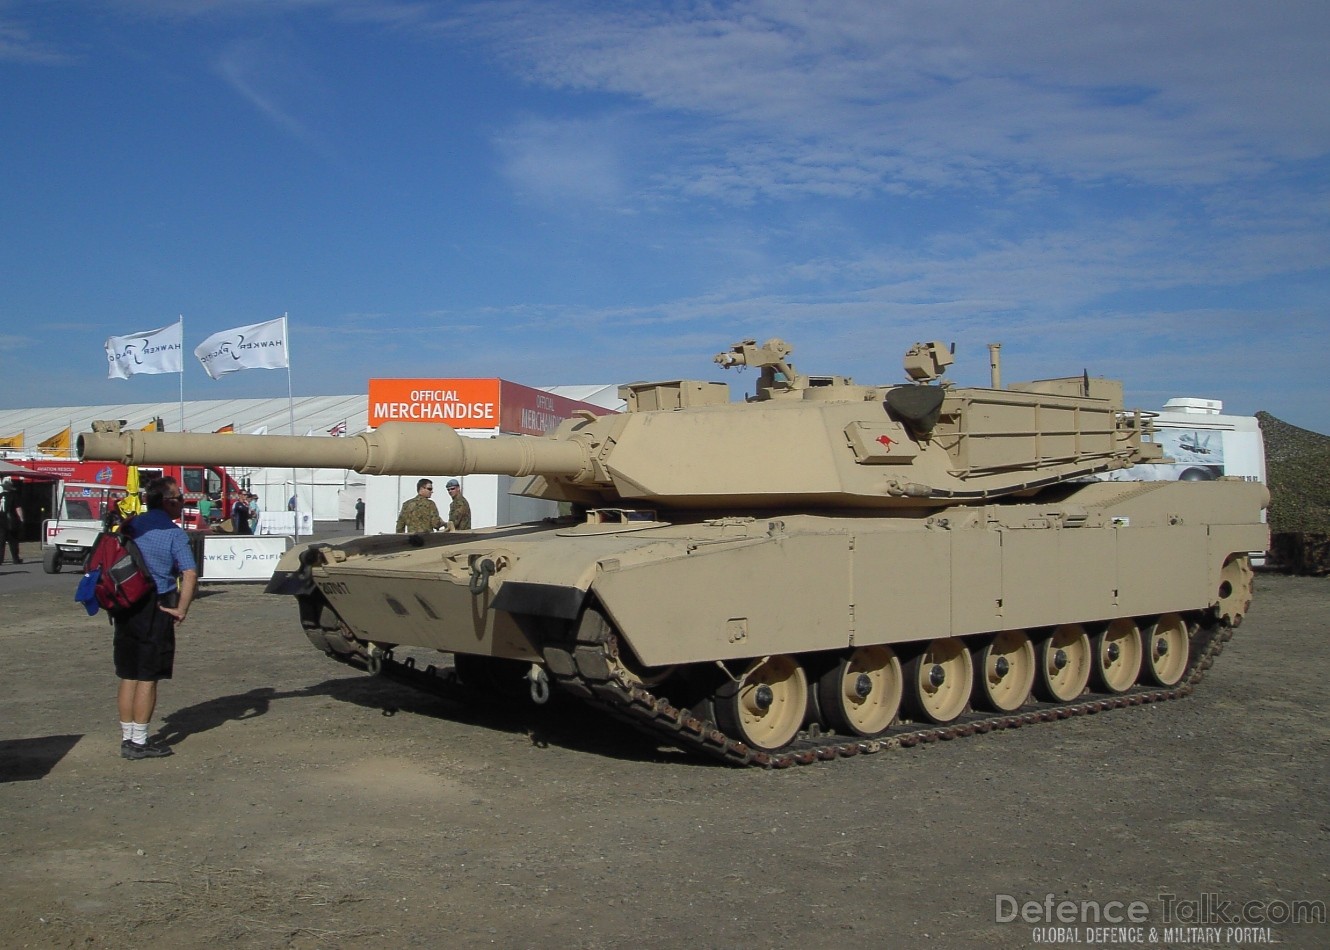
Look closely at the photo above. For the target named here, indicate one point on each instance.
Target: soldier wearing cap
(459, 512)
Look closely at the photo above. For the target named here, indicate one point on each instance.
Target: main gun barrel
(396, 448)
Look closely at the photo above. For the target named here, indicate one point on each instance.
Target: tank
(818, 570)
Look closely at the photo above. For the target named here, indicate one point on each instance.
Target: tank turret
(797, 442)
(820, 570)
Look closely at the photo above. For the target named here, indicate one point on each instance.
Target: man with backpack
(145, 634)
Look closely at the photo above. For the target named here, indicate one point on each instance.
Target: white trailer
(1200, 443)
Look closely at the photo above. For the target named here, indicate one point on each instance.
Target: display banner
(229, 557)
(471, 404)
(527, 411)
(460, 403)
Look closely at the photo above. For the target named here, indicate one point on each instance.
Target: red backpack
(119, 576)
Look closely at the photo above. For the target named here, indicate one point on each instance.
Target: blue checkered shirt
(164, 547)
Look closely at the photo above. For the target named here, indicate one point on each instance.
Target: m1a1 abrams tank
(822, 570)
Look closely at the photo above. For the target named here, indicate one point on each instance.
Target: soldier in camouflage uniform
(419, 514)
(459, 512)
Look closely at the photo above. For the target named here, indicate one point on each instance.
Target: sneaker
(149, 750)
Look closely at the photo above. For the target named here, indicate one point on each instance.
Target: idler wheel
(1003, 671)
(1117, 656)
(1165, 648)
(1235, 586)
(861, 694)
(1063, 660)
(938, 681)
(765, 707)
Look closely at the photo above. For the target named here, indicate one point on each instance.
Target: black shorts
(145, 640)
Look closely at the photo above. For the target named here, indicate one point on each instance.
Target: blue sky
(563, 192)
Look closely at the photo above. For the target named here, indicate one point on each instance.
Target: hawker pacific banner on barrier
(151, 351)
(257, 346)
(228, 557)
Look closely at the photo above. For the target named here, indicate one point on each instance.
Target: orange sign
(461, 403)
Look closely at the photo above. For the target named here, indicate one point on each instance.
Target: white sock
(126, 733)
(139, 735)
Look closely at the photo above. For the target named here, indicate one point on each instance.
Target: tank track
(585, 670)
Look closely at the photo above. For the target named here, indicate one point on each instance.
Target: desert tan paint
(816, 517)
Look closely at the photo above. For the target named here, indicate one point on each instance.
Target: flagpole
(182, 372)
(291, 413)
(290, 399)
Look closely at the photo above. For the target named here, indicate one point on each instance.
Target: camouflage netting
(1298, 469)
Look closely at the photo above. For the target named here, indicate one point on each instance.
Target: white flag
(153, 351)
(258, 346)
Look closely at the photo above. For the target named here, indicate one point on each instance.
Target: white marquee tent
(330, 494)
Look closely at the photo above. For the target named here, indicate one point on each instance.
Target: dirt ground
(311, 805)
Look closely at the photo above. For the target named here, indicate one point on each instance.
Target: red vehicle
(194, 480)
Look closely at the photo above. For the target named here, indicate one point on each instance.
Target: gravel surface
(311, 805)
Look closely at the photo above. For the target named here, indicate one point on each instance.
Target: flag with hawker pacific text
(257, 346)
(152, 351)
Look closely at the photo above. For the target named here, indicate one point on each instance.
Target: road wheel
(861, 694)
(765, 707)
(1003, 671)
(51, 561)
(1165, 646)
(1063, 663)
(938, 681)
(1117, 656)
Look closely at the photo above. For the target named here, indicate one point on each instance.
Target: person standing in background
(360, 514)
(11, 519)
(240, 517)
(459, 511)
(419, 514)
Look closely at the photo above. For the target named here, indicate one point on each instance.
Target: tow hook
(376, 658)
(482, 569)
(540, 684)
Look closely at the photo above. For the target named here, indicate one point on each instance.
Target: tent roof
(25, 473)
(313, 414)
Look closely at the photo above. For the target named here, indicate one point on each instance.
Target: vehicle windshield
(88, 502)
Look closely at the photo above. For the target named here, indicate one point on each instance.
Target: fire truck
(194, 480)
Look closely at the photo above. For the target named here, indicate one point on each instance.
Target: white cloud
(18, 45)
(269, 72)
(858, 95)
(554, 161)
